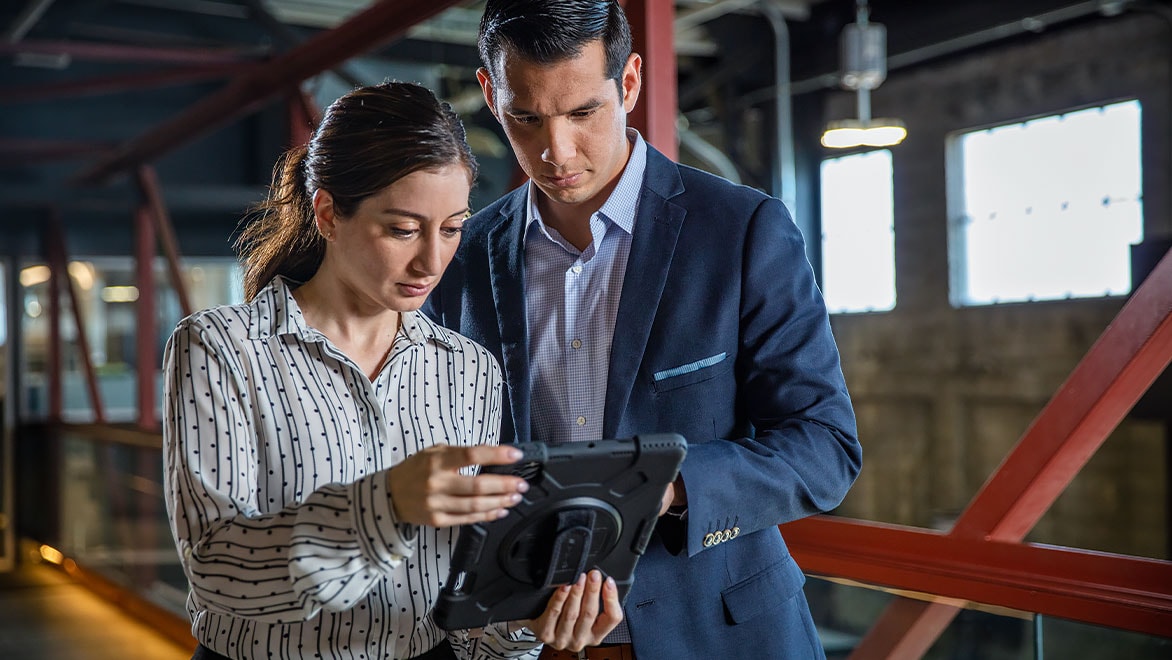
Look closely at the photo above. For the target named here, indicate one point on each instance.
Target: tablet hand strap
(571, 546)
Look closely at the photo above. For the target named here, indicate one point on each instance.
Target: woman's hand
(573, 619)
(428, 489)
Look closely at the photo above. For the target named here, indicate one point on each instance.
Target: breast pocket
(693, 372)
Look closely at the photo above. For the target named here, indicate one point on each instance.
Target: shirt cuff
(385, 539)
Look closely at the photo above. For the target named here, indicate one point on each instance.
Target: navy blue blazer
(721, 336)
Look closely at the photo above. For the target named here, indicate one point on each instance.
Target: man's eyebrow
(588, 105)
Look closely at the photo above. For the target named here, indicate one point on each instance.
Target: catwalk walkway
(46, 615)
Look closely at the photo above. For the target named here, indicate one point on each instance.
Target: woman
(320, 439)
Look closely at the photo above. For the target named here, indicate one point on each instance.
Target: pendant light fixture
(864, 67)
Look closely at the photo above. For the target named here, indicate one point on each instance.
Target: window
(1046, 209)
(858, 233)
(107, 294)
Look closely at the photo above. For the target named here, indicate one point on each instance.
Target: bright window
(858, 233)
(1046, 209)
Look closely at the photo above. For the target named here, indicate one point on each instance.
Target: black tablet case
(589, 505)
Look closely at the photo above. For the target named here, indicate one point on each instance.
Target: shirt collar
(620, 207)
(275, 312)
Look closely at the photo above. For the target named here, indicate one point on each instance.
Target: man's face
(567, 123)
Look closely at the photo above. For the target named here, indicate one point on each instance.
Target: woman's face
(392, 251)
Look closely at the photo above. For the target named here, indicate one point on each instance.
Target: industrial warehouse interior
(985, 193)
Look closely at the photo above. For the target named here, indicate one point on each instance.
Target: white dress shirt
(276, 447)
(571, 303)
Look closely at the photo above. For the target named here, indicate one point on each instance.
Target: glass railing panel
(1062, 638)
(844, 611)
(113, 517)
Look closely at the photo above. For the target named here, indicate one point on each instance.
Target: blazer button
(736, 531)
(726, 535)
(708, 541)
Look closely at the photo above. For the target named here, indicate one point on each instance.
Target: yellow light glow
(120, 294)
(34, 275)
(83, 273)
(51, 554)
(851, 133)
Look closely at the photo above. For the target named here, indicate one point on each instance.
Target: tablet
(589, 505)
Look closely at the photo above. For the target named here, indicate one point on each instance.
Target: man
(626, 294)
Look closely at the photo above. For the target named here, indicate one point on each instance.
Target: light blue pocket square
(690, 367)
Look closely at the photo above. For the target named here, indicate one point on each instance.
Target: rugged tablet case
(590, 505)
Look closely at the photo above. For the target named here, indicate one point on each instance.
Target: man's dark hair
(551, 31)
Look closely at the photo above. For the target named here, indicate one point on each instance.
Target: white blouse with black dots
(276, 447)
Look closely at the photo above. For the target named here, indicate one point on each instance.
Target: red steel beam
(59, 263)
(113, 84)
(1122, 364)
(148, 184)
(377, 25)
(1119, 591)
(146, 363)
(23, 151)
(653, 31)
(304, 117)
(53, 361)
(82, 50)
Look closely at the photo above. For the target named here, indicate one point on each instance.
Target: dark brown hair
(367, 140)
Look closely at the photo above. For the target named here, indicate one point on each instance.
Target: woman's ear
(323, 214)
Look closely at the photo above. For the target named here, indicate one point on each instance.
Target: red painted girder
(148, 185)
(54, 361)
(653, 31)
(113, 84)
(304, 116)
(375, 26)
(147, 362)
(83, 50)
(24, 151)
(59, 263)
(1119, 591)
(1122, 364)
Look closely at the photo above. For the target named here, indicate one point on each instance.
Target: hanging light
(864, 67)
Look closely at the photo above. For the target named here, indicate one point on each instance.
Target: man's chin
(564, 195)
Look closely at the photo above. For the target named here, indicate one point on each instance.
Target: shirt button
(577, 343)
(581, 420)
(577, 268)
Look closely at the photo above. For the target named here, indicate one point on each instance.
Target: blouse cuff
(384, 538)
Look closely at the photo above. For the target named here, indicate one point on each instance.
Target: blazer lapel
(506, 263)
(657, 226)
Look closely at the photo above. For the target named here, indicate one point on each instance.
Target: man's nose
(559, 148)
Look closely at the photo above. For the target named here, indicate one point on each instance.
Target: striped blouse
(276, 447)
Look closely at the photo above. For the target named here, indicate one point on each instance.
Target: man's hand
(428, 489)
(573, 618)
(675, 495)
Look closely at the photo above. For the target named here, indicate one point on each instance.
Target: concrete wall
(942, 393)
